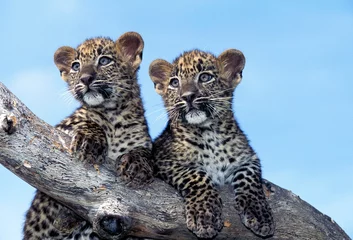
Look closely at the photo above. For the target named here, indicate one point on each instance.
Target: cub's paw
(134, 169)
(258, 218)
(67, 221)
(204, 219)
(90, 150)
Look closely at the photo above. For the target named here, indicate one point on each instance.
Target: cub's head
(101, 71)
(198, 86)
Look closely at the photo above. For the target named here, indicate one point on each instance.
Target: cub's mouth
(95, 95)
(196, 113)
(195, 116)
(93, 98)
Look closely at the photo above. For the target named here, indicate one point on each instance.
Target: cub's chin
(195, 117)
(93, 99)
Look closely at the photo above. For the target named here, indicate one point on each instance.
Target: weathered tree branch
(36, 152)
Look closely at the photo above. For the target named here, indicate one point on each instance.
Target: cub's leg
(47, 218)
(89, 143)
(135, 166)
(42, 217)
(203, 206)
(250, 200)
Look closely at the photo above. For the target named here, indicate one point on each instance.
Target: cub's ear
(231, 63)
(159, 72)
(130, 47)
(63, 58)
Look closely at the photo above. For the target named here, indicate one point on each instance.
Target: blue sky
(295, 100)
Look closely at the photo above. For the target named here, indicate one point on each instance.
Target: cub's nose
(86, 79)
(188, 97)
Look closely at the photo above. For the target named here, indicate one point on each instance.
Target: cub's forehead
(92, 48)
(193, 62)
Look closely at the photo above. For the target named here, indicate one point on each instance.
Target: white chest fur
(217, 158)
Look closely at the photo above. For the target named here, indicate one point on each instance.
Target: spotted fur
(109, 128)
(203, 147)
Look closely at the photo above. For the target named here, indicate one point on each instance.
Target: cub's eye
(205, 77)
(75, 66)
(104, 61)
(174, 82)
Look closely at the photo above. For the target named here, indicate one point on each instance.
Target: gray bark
(37, 153)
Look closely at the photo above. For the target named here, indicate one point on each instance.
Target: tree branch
(37, 153)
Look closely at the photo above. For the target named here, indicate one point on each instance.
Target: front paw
(134, 169)
(87, 149)
(258, 218)
(203, 218)
(67, 221)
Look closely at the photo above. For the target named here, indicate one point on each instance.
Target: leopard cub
(109, 128)
(202, 146)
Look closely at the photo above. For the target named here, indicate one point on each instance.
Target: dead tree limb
(37, 153)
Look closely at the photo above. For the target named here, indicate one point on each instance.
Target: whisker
(220, 98)
(211, 112)
(116, 87)
(158, 110)
(213, 94)
(222, 107)
(221, 104)
(95, 85)
(163, 115)
(215, 110)
(171, 113)
(68, 96)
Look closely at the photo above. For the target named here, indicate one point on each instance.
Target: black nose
(188, 97)
(87, 79)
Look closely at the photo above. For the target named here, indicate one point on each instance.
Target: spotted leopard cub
(109, 128)
(203, 147)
